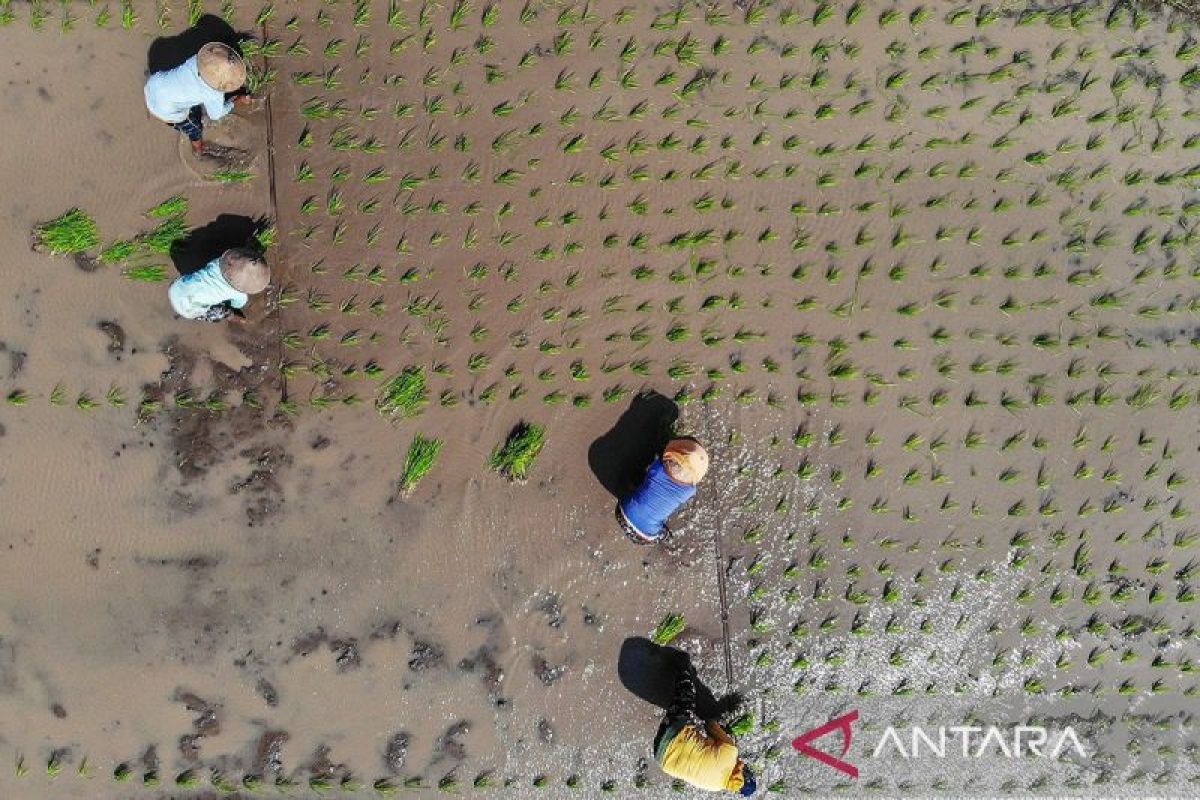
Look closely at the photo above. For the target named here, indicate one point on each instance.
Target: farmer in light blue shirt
(223, 285)
(669, 483)
(177, 96)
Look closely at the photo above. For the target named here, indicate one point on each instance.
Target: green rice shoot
(514, 458)
(422, 453)
(671, 626)
(73, 232)
(176, 206)
(164, 237)
(147, 273)
(231, 175)
(118, 251)
(742, 725)
(266, 236)
(405, 394)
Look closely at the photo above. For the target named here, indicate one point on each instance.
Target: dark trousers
(683, 706)
(192, 127)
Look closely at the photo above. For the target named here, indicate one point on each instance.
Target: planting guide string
(271, 186)
(724, 611)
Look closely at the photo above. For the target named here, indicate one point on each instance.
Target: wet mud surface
(954, 470)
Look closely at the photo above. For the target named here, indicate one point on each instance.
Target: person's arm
(718, 733)
(238, 300)
(216, 106)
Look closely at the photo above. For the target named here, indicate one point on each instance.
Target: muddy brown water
(245, 592)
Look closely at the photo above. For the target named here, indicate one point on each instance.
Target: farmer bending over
(221, 287)
(699, 753)
(177, 96)
(669, 483)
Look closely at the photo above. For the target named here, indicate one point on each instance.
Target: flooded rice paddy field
(921, 276)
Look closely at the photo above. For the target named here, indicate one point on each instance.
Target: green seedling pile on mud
(72, 232)
(422, 453)
(515, 456)
(405, 394)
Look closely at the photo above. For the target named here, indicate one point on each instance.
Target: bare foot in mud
(87, 263)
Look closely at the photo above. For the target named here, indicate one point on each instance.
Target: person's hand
(242, 100)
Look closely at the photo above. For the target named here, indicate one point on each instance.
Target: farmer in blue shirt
(669, 483)
(177, 96)
(222, 286)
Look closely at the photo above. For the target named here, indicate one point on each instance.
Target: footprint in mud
(150, 760)
(424, 656)
(396, 752)
(306, 643)
(322, 765)
(207, 723)
(208, 720)
(16, 359)
(552, 608)
(267, 691)
(115, 334)
(268, 753)
(189, 747)
(547, 674)
(490, 672)
(591, 619)
(486, 657)
(86, 263)
(448, 744)
(346, 654)
(387, 630)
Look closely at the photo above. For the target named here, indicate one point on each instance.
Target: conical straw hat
(686, 461)
(221, 67)
(245, 271)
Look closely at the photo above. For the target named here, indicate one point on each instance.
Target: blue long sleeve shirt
(658, 497)
(192, 295)
(171, 95)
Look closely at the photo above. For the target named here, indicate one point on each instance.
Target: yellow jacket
(708, 762)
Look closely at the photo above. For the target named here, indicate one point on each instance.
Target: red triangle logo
(842, 723)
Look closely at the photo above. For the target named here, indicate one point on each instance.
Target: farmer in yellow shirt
(697, 752)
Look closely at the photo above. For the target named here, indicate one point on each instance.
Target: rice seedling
(163, 237)
(516, 455)
(68, 234)
(147, 273)
(422, 454)
(403, 395)
(174, 206)
(230, 175)
(668, 629)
